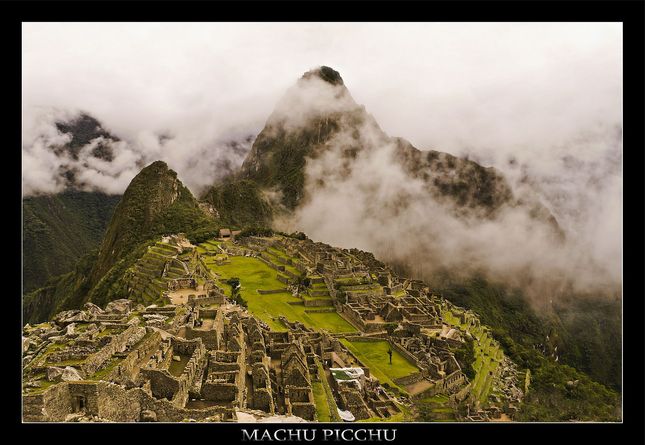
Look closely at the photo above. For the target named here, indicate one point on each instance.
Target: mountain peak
(158, 166)
(83, 131)
(154, 200)
(325, 73)
(83, 128)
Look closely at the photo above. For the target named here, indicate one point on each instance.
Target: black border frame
(630, 13)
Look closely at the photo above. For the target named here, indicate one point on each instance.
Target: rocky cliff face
(152, 198)
(306, 118)
(154, 204)
(317, 132)
(85, 133)
(58, 229)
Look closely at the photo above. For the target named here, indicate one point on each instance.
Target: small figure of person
(389, 352)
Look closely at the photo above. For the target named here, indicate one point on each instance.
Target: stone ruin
(208, 359)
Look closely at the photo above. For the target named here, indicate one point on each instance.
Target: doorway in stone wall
(79, 404)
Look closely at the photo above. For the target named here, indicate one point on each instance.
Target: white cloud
(546, 95)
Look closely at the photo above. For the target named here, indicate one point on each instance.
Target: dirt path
(418, 387)
(180, 296)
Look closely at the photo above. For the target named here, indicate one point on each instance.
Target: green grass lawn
(448, 317)
(350, 281)
(106, 370)
(329, 402)
(278, 253)
(44, 385)
(254, 275)
(400, 293)
(398, 417)
(177, 368)
(322, 407)
(484, 364)
(319, 286)
(374, 355)
(436, 409)
(488, 355)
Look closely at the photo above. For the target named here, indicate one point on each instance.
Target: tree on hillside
(235, 291)
(303, 282)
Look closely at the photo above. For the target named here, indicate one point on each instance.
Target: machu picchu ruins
(261, 327)
(212, 242)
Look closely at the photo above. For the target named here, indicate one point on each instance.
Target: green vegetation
(235, 291)
(256, 231)
(374, 355)
(202, 234)
(59, 293)
(522, 334)
(434, 409)
(329, 397)
(156, 203)
(279, 157)
(240, 203)
(44, 385)
(465, 355)
(323, 413)
(485, 366)
(479, 359)
(106, 370)
(112, 286)
(561, 393)
(176, 368)
(59, 229)
(253, 275)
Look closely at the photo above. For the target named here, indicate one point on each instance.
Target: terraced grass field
(322, 407)
(487, 359)
(254, 275)
(488, 356)
(326, 408)
(374, 355)
(436, 409)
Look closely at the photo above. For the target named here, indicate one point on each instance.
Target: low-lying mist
(370, 202)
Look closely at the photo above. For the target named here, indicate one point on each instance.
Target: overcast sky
(545, 95)
(492, 89)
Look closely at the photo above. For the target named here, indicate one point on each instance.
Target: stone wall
(352, 317)
(320, 311)
(213, 297)
(162, 383)
(266, 259)
(360, 338)
(318, 302)
(300, 402)
(219, 391)
(113, 402)
(210, 337)
(118, 404)
(405, 353)
(129, 367)
(56, 402)
(87, 391)
(119, 343)
(272, 291)
(263, 400)
(304, 410)
(32, 408)
(208, 313)
(409, 379)
(182, 283)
